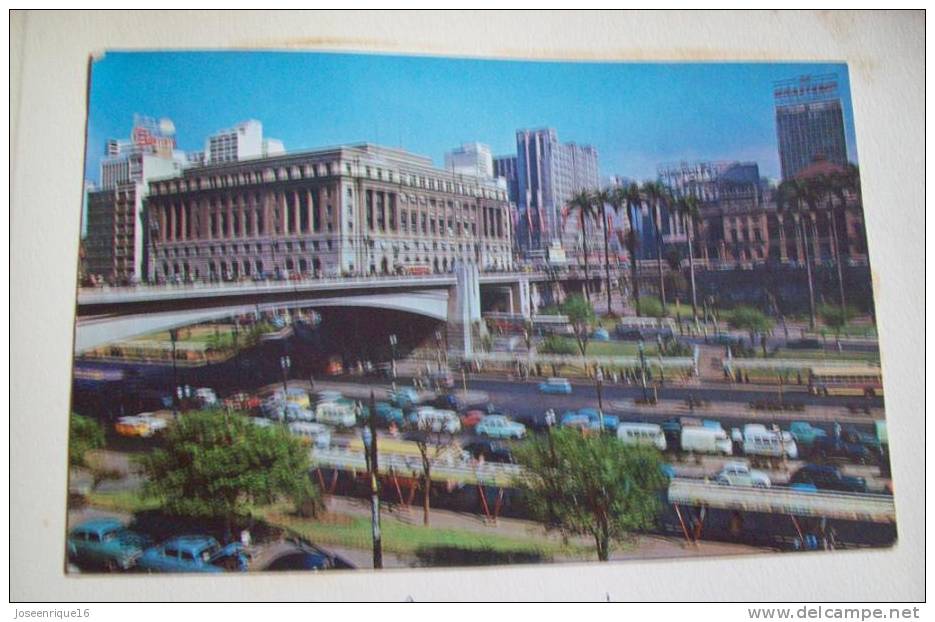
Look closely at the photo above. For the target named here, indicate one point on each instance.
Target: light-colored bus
(864, 380)
(641, 434)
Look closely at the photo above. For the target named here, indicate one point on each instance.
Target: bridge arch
(93, 332)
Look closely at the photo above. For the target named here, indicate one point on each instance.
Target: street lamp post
(374, 485)
(285, 363)
(393, 342)
(438, 349)
(643, 368)
(173, 336)
(599, 376)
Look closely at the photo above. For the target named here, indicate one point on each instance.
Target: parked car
(316, 434)
(193, 554)
(405, 396)
(600, 334)
(341, 413)
(498, 426)
(740, 474)
(852, 435)
(143, 424)
(574, 419)
(609, 422)
(833, 447)
(297, 412)
(206, 397)
(555, 385)
(642, 434)
(472, 417)
(489, 452)
(805, 433)
(706, 440)
(432, 419)
(327, 396)
(388, 414)
(105, 543)
(826, 477)
(630, 334)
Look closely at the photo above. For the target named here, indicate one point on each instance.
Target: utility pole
(599, 376)
(374, 487)
(176, 398)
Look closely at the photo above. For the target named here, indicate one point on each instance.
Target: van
(706, 440)
(312, 433)
(339, 413)
(642, 434)
(428, 418)
(757, 440)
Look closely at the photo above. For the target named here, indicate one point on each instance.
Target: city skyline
(637, 116)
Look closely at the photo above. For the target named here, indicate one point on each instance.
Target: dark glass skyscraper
(809, 122)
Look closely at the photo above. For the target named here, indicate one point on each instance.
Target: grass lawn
(355, 532)
(613, 348)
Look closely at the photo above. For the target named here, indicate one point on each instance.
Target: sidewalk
(678, 408)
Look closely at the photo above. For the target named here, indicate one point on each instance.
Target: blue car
(105, 543)
(405, 396)
(193, 554)
(387, 413)
(574, 419)
(611, 422)
(555, 385)
(600, 334)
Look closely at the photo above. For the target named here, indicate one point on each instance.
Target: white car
(435, 420)
(740, 474)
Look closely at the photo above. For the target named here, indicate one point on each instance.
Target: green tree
(633, 199)
(835, 317)
(580, 315)
(688, 208)
(796, 198)
(754, 322)
(583, 203)
(84, 434)
(603, 199)
(650, 306)
(591, 485)
(658, 196)
(214, 464)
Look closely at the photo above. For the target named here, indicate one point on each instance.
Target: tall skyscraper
(549, 173)
(470, 159)
(809, 122)
(504, 167)
(244, 140)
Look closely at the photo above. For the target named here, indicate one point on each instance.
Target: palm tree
(795, 197)
(603, 198)
(583, 203)
(657, 195)
(631, 197)
(687, 207)
(832, 186)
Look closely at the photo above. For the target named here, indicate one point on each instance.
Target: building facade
(549, 173)
(809, 122)
(244, 140)
(361, 209)
(114, 210)
(470, 159)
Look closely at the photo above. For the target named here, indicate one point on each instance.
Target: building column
(310, 227)
(163, 223)
(782, 239)
(296, 212)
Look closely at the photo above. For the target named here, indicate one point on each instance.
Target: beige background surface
(49, 62)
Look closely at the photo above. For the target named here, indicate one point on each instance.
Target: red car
(471, 418)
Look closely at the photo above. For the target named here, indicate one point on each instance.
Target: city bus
(515, 323)
(852, 380)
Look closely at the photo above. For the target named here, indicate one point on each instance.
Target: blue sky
(637, 115)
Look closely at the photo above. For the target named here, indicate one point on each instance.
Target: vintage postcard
(343, 311)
